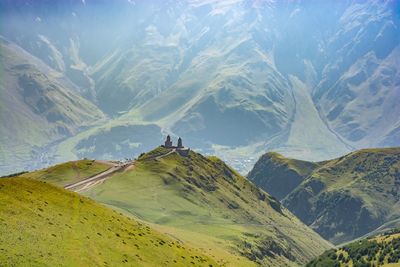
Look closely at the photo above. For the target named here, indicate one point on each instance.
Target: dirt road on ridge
(101, 177)
(98, 178)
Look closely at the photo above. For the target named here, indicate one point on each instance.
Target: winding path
(98, 178)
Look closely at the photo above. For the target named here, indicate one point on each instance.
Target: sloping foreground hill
(43, 225)
(210, 206)
(344, 198)
(382, 250)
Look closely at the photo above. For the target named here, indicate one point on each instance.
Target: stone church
(183, 151)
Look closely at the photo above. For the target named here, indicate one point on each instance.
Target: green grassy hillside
(69, 172)
(279, 175)
(43, 225)
(382, 250)
(208, 205)
(344, 198)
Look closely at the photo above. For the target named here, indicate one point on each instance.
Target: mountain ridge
(355, 192)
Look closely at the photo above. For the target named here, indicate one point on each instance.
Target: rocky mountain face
(341, 199)
(234, 77)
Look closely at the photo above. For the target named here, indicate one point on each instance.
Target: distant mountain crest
(311, 81)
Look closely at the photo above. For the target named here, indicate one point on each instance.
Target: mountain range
(300, 95)
(312, 80)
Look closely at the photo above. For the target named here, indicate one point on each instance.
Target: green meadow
(43, 225)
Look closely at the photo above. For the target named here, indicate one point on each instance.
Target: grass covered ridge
(382, 250)
(43, 225)
(279, 175)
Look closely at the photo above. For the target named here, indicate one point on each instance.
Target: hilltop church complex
(183, 151)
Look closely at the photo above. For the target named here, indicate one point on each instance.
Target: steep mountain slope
(279, 175)
(208, 205)
(38, 107)
(382, 250)
(42, 225)
(358, 90)
(343, 198)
